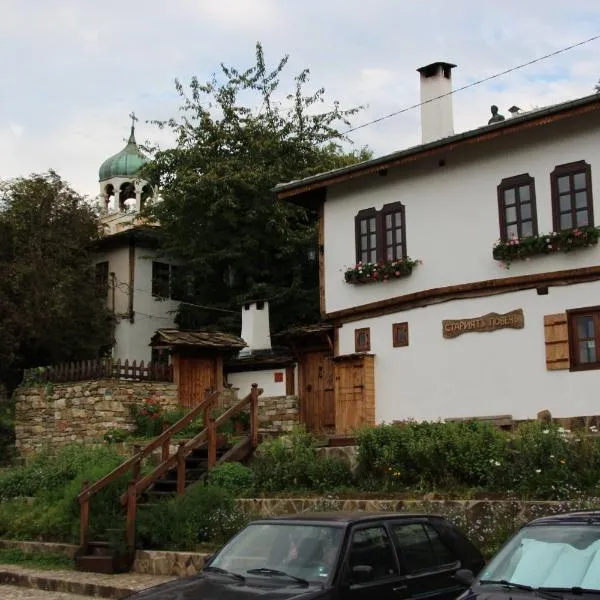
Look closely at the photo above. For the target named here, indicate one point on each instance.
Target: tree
(235, 142)
(50, 308)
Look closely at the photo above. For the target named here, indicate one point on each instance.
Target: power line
(470, 85)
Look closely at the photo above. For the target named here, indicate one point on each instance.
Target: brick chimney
(437, 120)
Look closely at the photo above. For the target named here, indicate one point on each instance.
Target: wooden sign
(490, 322)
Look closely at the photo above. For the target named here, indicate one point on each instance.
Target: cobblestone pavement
(13, 592)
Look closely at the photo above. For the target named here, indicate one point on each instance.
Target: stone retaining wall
(278, 413)
(55, 415)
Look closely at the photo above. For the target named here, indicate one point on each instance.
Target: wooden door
(316, 389)
(354, 393)
(196, 375)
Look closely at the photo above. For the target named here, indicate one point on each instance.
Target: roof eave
(287, 191)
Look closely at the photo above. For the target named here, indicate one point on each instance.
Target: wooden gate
(194, 375)
(354, 392)
(316, 391)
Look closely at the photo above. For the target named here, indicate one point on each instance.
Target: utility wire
(470, 85)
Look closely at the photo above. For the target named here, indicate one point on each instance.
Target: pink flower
(397, 273)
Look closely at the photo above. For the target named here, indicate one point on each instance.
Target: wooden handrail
(136, 485)
(199, 440)
(153, 445)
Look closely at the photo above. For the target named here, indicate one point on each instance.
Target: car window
(421, 546)
(371, 547)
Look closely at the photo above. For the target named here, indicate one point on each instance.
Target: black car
(550, 558)
(335, 556)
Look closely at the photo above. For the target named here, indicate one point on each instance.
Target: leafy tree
(50, 308)
(236, 139)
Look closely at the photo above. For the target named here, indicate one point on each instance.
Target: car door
(429, 564)
(371, 548)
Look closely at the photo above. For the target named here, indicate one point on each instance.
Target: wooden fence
(100, 369)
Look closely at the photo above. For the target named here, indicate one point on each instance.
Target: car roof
(580, 516)
(345, 517)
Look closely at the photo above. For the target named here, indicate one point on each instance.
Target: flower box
(380, 272)
(565, 241)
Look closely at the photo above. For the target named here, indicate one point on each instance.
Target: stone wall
(55, 415)
(278, 413)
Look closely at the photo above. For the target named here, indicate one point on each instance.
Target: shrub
(53, 484)
(149, 417)
(233, 477)
(205, 513)
(292, 463)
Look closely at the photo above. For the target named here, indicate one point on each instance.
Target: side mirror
(464, 576)
(362, 574)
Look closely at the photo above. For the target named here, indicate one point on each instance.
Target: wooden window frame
(515, 182)
(357, 334)
(363, 215)
(156, 292)
(381, 245)
(399, 332)
(574, 364)
(102, 275)
(571, 169)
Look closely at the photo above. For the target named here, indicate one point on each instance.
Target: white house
(138, 282)
(460, 335)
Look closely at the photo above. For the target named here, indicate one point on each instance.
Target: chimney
(436, 116)
(256, 331)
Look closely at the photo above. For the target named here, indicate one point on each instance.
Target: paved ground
(69, 584)
(13, 592)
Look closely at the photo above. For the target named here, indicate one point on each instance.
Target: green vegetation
(36, 560)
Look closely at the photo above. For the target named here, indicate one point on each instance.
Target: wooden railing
(137, 485)
(103, 368)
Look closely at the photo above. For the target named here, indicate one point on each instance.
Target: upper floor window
(584, 338)
(102, 276)
(163, 280)
(516, 207)
(381, 235)
(572, 204)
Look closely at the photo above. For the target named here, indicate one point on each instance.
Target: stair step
(103, 564)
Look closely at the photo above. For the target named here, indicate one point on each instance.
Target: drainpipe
(131, 314)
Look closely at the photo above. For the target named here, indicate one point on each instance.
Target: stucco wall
(264, 378)
(56, 415)
(452, 211)
(477, 374)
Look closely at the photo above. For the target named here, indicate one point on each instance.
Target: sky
(71, 71)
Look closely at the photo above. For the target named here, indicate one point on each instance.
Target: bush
(233, 477)
(537, 460)
(205, 513)
(53, 483)
(292, 463)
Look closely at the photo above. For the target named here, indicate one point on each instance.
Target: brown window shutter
(556, 335)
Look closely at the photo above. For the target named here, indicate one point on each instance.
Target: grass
(36, 560)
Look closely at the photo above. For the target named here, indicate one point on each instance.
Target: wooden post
(165, 444)
(254, 415)
(135, 471)
(84, 515)
(131, 510)
(180, 470)
(212, 441)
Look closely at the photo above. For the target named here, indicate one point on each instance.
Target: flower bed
(381, 271)
(565, 241)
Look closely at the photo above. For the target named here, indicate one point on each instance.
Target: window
(400, 335)
(371, 547)
(362, 340)
(584, 338)
(102, 276)
(160, 279)
(421, 547)
(572, 204)
(516, 206)
(380, 235)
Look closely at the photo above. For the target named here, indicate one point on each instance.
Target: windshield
(557, 556)
(305, 551)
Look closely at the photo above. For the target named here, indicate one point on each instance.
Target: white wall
(264, 378)
(452, 211)
(477, 374)
(118, 263)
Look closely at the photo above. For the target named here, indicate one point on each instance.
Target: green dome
(126, 163)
